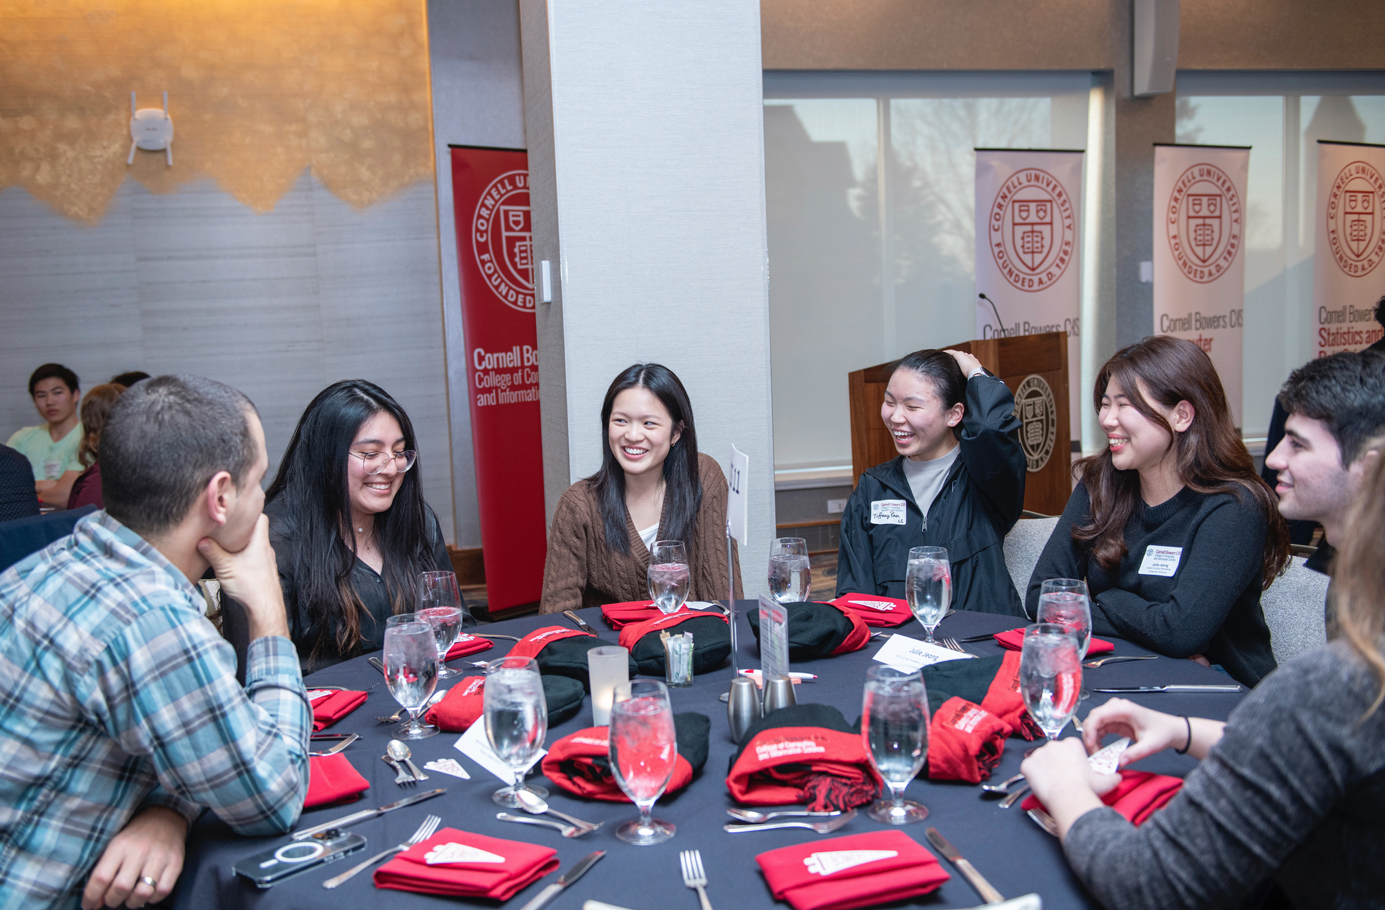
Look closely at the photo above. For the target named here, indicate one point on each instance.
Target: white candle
(608, 667)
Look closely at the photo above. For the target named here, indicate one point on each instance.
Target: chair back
(23, 536)
(1294, 608)
(1023, 545)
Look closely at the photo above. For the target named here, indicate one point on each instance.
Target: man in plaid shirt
(121, 713)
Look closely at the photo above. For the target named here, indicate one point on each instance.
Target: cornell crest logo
(1038, 412)
(1032, 229)
(1353, 219)
(1204, 222)
(500, 237)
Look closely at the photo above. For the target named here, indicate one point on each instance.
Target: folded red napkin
(803, 754)
(461, 864)
(460, 707)
(858, 870)
(875, 609)
(580, 762)
(1003, 698)
(622, 614)
(965, 742)
(531, 644)
(331, 779)
(329, 709)
(1138, 796)
(1014, 640)
(468, 644)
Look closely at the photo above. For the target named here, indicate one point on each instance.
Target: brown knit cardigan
(581, 571)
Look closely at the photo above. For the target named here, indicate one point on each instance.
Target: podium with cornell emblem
(1035, 367)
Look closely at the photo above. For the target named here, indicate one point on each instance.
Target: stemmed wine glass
(439, 604)
(928, 586)
(668, 575)
(1050, 676)
(894, 727)
(643, 750)
(1064, 602)
(411, 670)
(516, 717)
(790, 573)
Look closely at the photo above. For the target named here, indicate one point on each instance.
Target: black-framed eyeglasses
(375, 462)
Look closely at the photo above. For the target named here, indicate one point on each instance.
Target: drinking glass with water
(516, 717)
(928, 586)
(668, 575)
(1050, 676)
(894, 726)
(1064, 602)
(411, 670)
(790, 573)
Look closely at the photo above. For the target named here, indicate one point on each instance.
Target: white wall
(646, 145)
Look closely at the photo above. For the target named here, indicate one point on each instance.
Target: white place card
(476, 746)
(448, 766)
(909, 654)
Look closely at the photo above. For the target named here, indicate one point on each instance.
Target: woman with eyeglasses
(348, 523)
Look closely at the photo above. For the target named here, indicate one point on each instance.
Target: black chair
(23, 536)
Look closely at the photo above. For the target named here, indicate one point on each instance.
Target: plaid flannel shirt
(117, 694)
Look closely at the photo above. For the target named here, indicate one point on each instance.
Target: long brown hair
(1210, 456)
(96, 407)
(1358, 573)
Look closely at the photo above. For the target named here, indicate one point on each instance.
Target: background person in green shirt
(51, 447)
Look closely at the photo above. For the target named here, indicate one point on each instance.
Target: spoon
(1093, 664)
(402, 754)
(827, 827)
(566, 830)
(750, 815)
(534, 804)
(1004, 786)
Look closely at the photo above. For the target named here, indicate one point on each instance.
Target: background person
(122, 716)
(96, 407)
(958, 483)
(349, 524)
(130, 378)
(1290, 788)
(17, 496)
(653, 485)
(51, 447)
(1170, 525)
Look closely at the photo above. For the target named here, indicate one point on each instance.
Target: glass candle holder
(608, 667)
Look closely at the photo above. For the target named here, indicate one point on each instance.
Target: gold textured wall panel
(258, 91)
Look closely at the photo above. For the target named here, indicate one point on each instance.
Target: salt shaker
(779, 694)
(742, 707)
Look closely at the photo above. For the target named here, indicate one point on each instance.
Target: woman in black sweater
(1171, 527)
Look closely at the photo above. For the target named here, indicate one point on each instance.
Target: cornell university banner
(1028, 209)
(490, 193)
(1199, 261)
(1348, 278)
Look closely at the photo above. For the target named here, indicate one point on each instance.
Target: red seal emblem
(1353, 219)
(1204, 222)
(500, 237)
(1032, 229)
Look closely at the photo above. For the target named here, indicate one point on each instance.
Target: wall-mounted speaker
(1156, 46)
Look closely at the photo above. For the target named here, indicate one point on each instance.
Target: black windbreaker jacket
(978, 505)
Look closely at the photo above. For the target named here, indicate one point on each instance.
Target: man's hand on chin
(251, 576)
(149, 848)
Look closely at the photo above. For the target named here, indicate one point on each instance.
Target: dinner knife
(364, 814)
(579, 622)
(567, 878)
(1177, 688)
(983, 887)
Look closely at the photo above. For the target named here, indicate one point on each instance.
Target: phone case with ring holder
(296, 857)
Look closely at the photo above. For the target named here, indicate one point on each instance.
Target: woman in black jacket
(958, 483)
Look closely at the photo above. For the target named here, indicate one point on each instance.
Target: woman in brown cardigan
(652, 485)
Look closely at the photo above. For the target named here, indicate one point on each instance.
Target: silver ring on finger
(151, 882)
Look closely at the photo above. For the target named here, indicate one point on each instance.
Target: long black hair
(312, 484)
(940, 368)
(682, 482)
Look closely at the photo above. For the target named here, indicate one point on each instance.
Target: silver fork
(425, 831)
(826, 827)
(1015, 797)
(338, 747)
(401, 777)
(694, 875)
(952, 643)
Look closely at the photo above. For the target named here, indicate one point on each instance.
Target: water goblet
(411, 672)
(668, 575)
(1050, 677)
(643, 750)
(790, 573)
(894, 728)
(516, 717)
(446, 623)
(928, 586)
(1064, 602)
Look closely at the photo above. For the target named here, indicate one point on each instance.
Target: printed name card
(774, 639)
(909, 654)
(476, 746)
(1162, 561)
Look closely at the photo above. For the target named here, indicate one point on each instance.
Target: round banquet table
(1012, 852)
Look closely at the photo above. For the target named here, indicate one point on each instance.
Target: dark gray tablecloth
(1010, 850)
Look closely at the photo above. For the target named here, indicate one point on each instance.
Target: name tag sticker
(1161, 561)
(888, 512)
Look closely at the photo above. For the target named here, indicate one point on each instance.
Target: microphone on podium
(999, 325)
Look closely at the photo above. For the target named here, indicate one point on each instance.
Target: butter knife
(567, 878)
(1176, 688)
(364, 814)
(983, 887)
(579, 622)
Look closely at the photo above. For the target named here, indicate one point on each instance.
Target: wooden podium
(1035, 367)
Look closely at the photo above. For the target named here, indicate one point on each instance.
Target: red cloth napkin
(468, 644)
(875, 609)
(580, 764)
(1138, 796)
(1003, 699)
(634, 631)
(858, 870)
(460, 707)
(531, 644)
(331, 779)
(1013, 640)
(622, 614)
(827, 769)
(519, 865)
(965, 742)
(331, 708)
